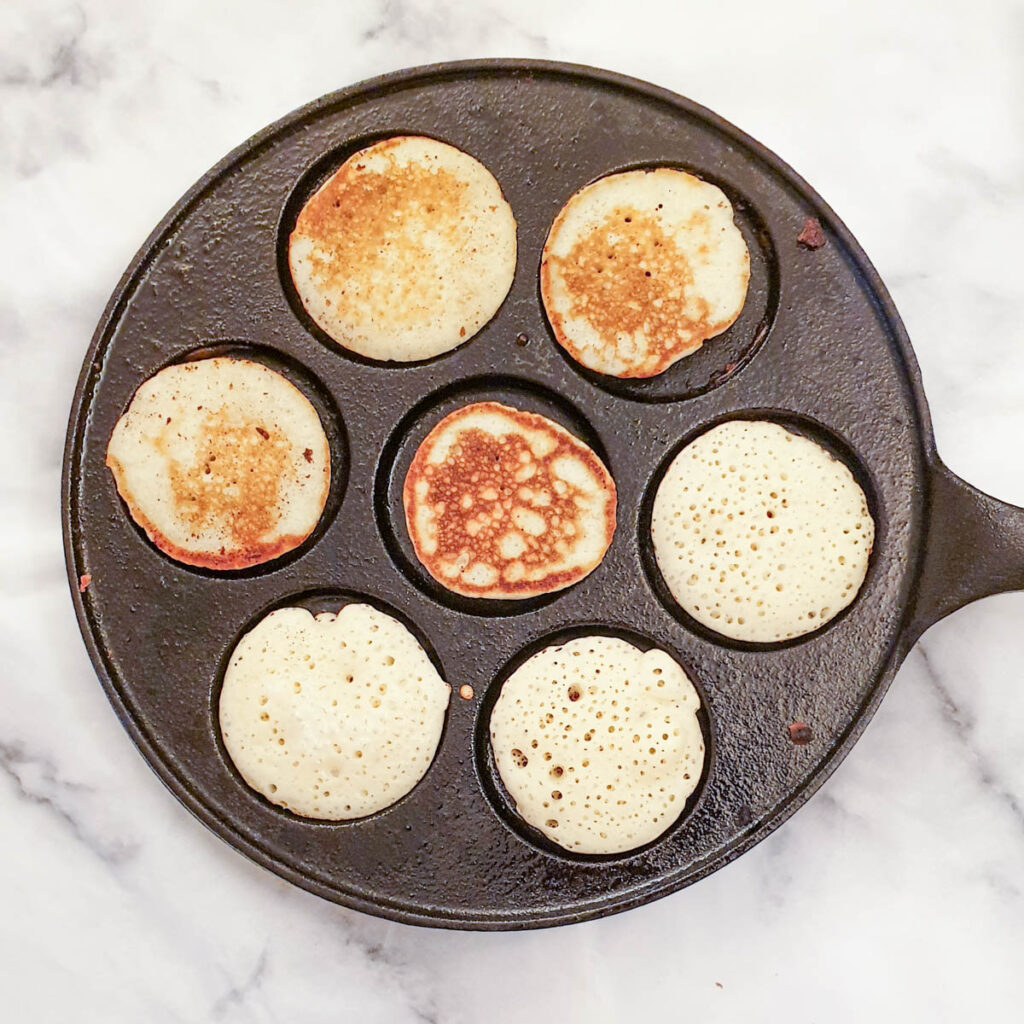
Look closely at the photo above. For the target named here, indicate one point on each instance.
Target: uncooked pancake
(760, 533)
(223, 462)
(640, 269)
(598, 744)
(503, 503)
(332, 716)
(406, 251)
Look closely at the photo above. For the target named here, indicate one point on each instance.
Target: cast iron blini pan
(819, 347)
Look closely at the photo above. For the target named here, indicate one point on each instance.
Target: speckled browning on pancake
(406, 251)
(502, 503)
(222, 462)
(640, 268)
(647, 278)
(355, 208)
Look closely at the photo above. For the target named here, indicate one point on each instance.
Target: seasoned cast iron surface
(817, 345)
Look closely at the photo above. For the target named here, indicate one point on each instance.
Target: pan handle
(975, 548)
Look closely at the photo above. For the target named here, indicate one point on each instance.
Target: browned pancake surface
(360, 219)
(529, 511)
(222, 461)
(640, 269)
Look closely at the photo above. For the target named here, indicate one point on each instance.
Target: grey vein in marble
(422, 26)
(237, 996)
(36, 780)
(957, 719)
(66, 62)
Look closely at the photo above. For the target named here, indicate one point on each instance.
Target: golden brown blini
(640, 269)
(406, 251)
(223, 462)
(503, 503)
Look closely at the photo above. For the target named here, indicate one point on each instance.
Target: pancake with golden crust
(223, 462)
(406, 251)
(503, 503)
(640, 269)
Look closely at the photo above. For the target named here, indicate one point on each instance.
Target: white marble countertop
(896, 894)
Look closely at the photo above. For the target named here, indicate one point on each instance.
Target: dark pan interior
(818, 346)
